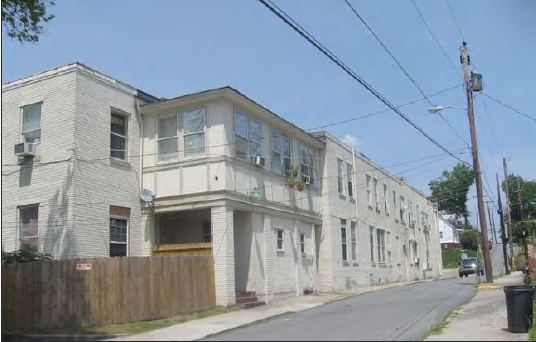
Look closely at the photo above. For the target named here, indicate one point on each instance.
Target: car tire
(461, 275)
(466, 275)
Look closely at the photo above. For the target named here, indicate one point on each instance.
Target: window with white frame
(440, 235)
(119, 136)
(308, 164)
(31, 123)
(371, 234)
(29, 228)
(386, 198)
(302, 243)
(394, 203)
(248, 136)
(279, 238)
(118, 236)
(380, 241)
(194, 133)
(349, 179)
(167, 141)
(344, 245)
(369, 192)
(276, 155)
(410, 212)
(376, 196)
(402, 208)
(398, 249)
(339, 175)
(417, 216)
(287, 154)
(353, 239)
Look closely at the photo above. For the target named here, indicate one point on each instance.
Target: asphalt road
(404, 313)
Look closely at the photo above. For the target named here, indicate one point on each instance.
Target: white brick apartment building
(100, 142)
(375, 227)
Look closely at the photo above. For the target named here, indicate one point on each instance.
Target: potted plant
(301, 186)
(292, 177)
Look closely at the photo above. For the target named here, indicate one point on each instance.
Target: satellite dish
(146, 195)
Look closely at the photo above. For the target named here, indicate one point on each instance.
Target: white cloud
(350, 140)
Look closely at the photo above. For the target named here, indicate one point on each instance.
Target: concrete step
(244, 300)
(252, 305)
(245, 294)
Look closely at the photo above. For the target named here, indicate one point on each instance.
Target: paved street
(396, 314)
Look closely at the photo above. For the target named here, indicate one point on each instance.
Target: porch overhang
(232, 199)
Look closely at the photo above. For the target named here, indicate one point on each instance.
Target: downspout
(141, 142)
(354, 190)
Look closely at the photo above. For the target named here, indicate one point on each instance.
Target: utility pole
(476, 164)
(520, 205)
(503, 231)
(508, 210)
(492, 224)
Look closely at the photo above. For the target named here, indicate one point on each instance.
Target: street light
(437, 109)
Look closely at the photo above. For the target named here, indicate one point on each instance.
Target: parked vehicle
(471, 266)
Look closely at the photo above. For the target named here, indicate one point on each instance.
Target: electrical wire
(289, 21)
(509, 107)
(455, 20)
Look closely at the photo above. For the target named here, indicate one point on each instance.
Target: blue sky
(185, 46)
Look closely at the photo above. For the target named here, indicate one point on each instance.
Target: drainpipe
(354, 190)
(141, 142)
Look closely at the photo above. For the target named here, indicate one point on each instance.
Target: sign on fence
(83, 267)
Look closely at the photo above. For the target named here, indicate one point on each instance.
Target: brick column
(269, 251)
(224, 255)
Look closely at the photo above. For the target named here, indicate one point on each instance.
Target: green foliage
(450, 190)
(23, 256)
(469, 239)
(23, 19)
(528, 201)
(453, 257)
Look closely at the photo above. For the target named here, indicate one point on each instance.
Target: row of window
(373, 197)
(29, 231)
(280, 242)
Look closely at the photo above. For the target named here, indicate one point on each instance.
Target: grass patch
(145, 326)
(438, 329)
(532, 330)
(134, 327)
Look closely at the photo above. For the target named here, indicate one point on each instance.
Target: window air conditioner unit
(259, 161)
(25, 150)
(429, 265)
(306, 179)
(417, 260)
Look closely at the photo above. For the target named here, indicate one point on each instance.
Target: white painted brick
(223, 254)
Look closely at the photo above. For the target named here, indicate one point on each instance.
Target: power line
(455, 20)
(435, 38)
(286, 18)
(352, 8)
(509, 107)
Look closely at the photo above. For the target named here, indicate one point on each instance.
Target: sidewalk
(484, 317)
(197, 329)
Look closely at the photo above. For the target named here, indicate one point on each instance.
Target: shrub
(23, 256)
(453, 257)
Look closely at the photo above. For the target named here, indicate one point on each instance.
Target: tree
(23, 18)
(528, 201)
(469, 239)
(450, 191)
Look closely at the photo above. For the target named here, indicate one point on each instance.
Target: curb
(488, 287)
(58, 337)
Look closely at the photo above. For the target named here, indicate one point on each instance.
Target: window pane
(119, 124)
(352, 231)
(167, 127)
(168, 149)
(312, 158)
(287, 166)
(194, 121)
(255, 133)
(118, 250)
(241, 146)
(304, 170)
(31, 117)
(241, 125)
(255, 149)
(29, 244)
(287, 147)
(275, 140)
(29, 219)
(304, 154)
(117, 146)
(32, 137)
(276, 162)
(194, 145)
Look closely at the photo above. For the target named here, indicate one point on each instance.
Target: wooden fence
(91, 292)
